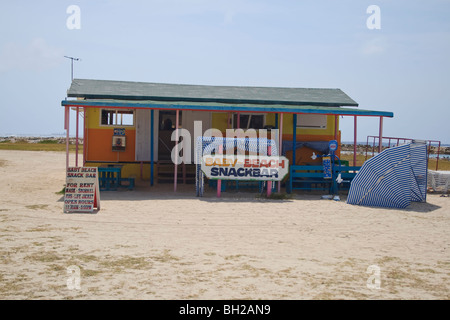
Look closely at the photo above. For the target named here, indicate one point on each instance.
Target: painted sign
(326, 162)
(119, 131)
(333, 145)
(82, 191)
(232, 167)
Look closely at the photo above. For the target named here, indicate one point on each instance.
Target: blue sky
(402, 67)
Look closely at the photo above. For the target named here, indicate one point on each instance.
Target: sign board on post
(333, 145)
(82, 191)
(119, 139)
(258, 168)
(326, 162)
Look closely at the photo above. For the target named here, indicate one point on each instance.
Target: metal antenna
(72, 58)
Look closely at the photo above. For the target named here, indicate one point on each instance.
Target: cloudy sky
(403, 67)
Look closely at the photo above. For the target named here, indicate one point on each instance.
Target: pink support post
(269, 183)
(66, 126)
(219, 182)
(429, 150)
(373, 146)
(335, 127)
(175, 175)
(280, 152)
(84, 136)
(367, 146)
(355, 140)
(238, 120)
(380, 142)
(76, 137)
(437, 159)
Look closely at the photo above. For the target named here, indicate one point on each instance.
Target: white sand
(153, 244)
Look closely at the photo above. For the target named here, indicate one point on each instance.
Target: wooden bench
(237, 184)
(347, 175)
(312, 178)
(129, 182)
(307, 178)
(110, 179)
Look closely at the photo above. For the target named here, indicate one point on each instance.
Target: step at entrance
(166, 169)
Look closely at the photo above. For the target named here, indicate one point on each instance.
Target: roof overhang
(222, 107)
(164, 92)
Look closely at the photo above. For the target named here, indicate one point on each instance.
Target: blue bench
(311, 178)
(241, 184)
(236, 184)
(347, 175)
(129, 183)
(110, 178)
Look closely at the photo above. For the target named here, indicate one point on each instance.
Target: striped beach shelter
(393, 179)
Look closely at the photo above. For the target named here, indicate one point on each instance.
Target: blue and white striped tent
(394, 178)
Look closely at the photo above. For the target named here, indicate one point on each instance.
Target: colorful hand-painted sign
(119, 139)
(333, 145)
(119, 131)
(326, 162)
(260, 168)
(82, 191)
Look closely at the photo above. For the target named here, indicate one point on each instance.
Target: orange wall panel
(99, 143)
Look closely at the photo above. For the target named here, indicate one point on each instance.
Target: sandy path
(153, 244)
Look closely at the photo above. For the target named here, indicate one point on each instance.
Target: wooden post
(219, 182)
(280, 148)
(152, 127)
(380, 138)
(76, 137)
(175, 174)
(84, 136)
(294, 137)
(355, 140)
(269, 183)
(238, 120)
(66, 126)
(335, 127)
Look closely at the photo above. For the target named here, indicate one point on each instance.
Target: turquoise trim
(146, 104)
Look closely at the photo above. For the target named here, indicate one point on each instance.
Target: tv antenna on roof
(72, 58)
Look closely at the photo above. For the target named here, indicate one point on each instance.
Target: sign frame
(82, 193)
(245, 168)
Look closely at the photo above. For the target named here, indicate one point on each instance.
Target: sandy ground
(153, 244)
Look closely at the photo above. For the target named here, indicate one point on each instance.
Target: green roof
(127, 90)
(220, 107)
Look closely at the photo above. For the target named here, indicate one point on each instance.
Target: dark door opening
(167, 124)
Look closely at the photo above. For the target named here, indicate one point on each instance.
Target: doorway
(167, 124)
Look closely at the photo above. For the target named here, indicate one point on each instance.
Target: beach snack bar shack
(131, 123)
